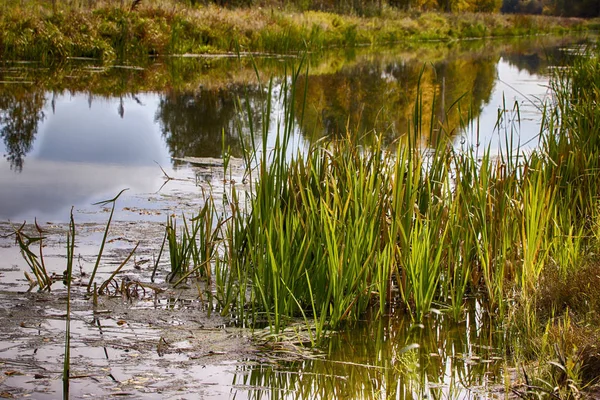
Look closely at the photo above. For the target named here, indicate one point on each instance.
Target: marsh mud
(154, 342)
(163, 348)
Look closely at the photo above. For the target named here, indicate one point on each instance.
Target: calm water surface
(393, 359)
(77, 133)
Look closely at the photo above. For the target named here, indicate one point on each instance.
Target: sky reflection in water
(83, 154)
(87, 147)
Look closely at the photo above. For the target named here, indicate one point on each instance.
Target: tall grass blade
(68, 279)
(104, 237)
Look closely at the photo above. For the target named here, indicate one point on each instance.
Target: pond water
(77, 133)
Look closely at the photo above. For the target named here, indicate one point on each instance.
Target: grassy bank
(36, 32)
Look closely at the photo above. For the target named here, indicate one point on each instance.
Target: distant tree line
(564, 8)
(448, 5)
(366, 7)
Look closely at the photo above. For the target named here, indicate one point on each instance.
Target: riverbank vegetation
(33, 30)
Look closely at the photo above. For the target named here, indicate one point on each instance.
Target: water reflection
(363, 92)
(66, 116)
(21, 111)
(194, 124)
(537, 60)
(378, 359)
(94, 132)
(380, 95)
(83, 152)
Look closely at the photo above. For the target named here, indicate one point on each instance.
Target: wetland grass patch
(340, 229)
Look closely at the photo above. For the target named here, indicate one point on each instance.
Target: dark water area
(78, 132)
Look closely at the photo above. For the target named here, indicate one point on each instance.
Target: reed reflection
(390, 358)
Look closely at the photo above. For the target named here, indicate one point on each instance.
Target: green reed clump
(559, 210)
(34, 261)
(315, 248)
(195, 250)
(423, 267)
(179, 250)
(537, 205)
(331, 232)
(572, 144)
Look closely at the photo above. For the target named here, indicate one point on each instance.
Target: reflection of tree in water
(530, 62)
(381, 96)
(538, 61)
(353, 97)
(484, 81)
(194, 123)
(20, 114)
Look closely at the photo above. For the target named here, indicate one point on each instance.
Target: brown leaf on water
(6, 395)
(121, 322)
(12, 373)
